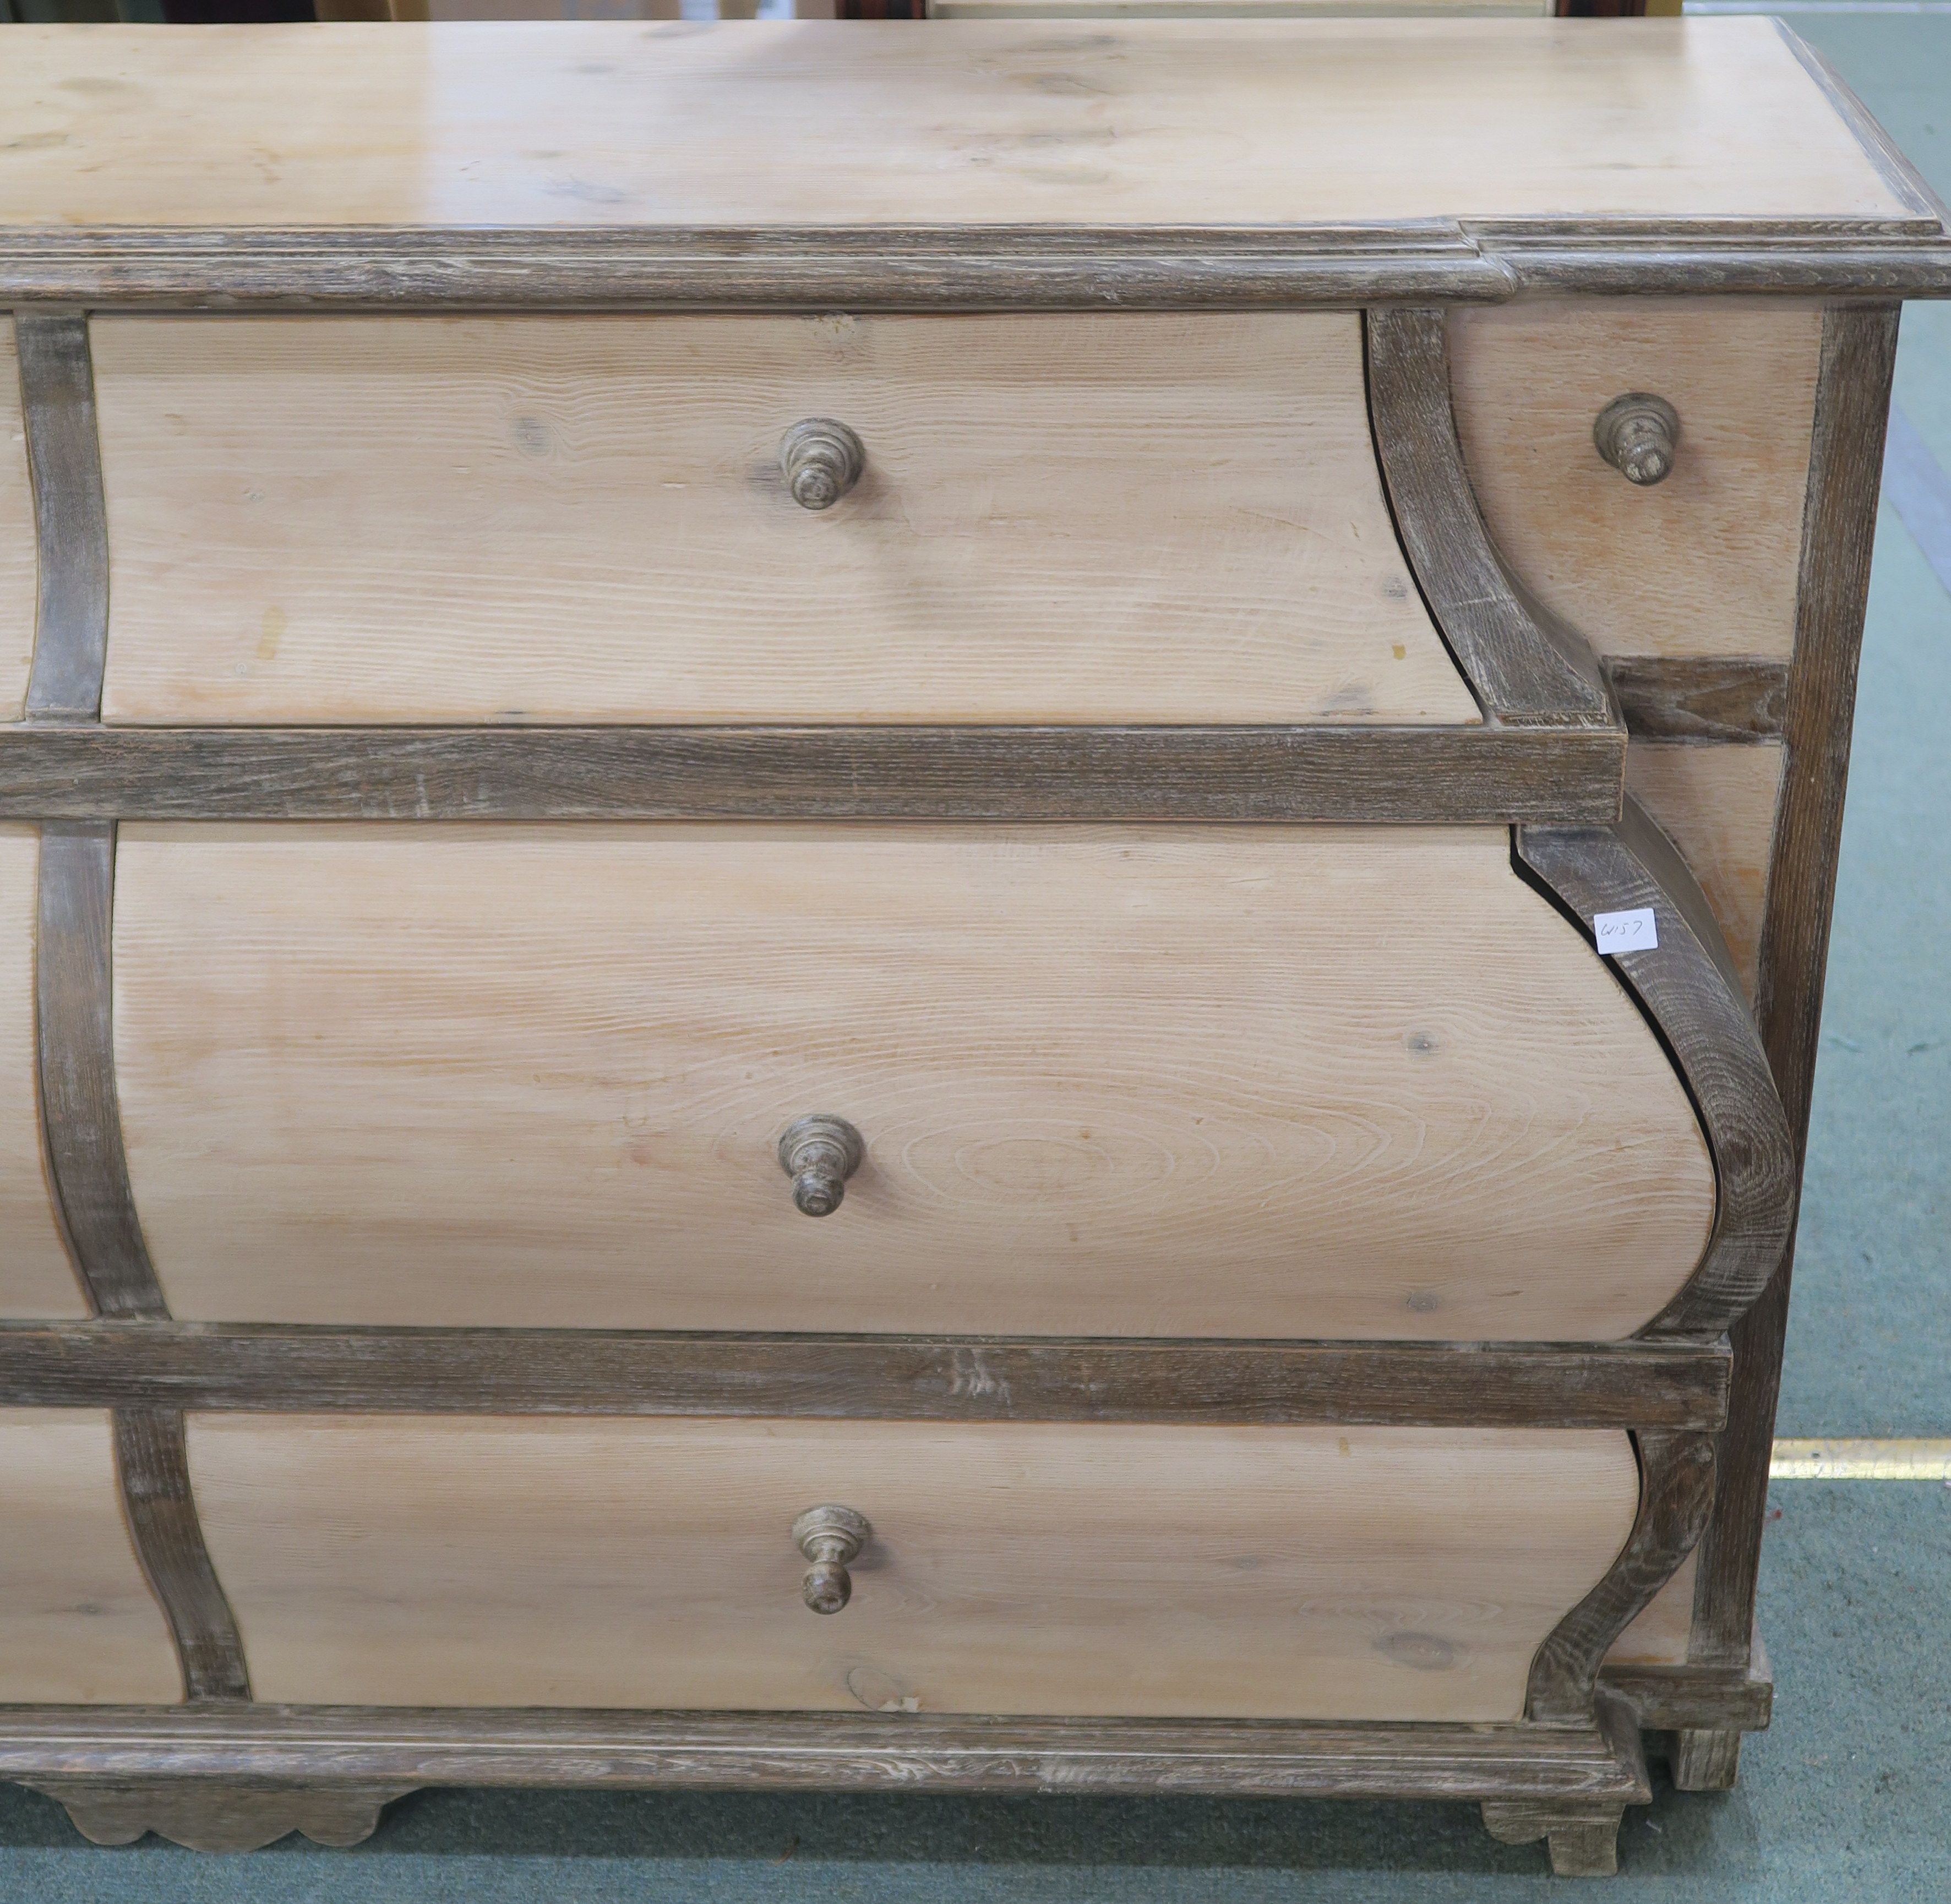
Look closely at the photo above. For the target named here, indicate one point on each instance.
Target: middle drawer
(1190, 1080)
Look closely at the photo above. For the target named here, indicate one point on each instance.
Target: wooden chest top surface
(1281, 123)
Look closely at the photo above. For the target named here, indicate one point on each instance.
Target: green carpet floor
(1846, 1798)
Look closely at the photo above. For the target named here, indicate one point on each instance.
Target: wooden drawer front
(78, 1625)
(1703, 562)
(1167, 1081)
(1060, 519)
(36, 1277)
(1368, 1573)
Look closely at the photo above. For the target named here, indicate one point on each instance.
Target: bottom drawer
(1402, 1574)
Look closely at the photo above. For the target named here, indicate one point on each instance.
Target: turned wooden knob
(829, 1538)
(1636, 434)
(819, 1154)
(821, 460)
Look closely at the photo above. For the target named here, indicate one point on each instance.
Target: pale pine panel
(1153, 1081)
(529, 125)
(1716, 803)
(1063, 519)
(1307, 1573)
(1704, 563)
(78, 1625)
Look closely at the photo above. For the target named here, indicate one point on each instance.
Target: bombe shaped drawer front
(1402, 1574)
(1063, 518)
(1190, 1081)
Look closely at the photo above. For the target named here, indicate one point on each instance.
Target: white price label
(1626, 931)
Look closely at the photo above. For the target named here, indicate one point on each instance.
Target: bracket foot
(207, 1816)
(1583, 1839)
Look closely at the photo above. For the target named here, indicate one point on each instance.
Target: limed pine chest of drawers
(936, 906)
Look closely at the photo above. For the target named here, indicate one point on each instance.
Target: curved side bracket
(70, 517)
(74, 1041)
(88, 1169)
(1688, 986)
(152, 1460)
(1525, 670)
(1676, 1491)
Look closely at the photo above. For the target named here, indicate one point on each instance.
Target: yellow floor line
(1838, 1459)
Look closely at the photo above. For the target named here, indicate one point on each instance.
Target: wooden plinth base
(1705, 1709)
(233, 1776)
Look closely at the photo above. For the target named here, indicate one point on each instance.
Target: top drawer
(1063, 519)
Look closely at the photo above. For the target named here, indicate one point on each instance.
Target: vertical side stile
(1845, 473)
(152, 1461)
(75, 1038)
(88, 1166)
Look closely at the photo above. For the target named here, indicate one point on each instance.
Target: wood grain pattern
(1168, 121)
(71, 537)
(1689, 988)
(75, 1048)
(263, 1367)
(1460, 776)
(856, 1751)
(1716, 804)
(1522, 671)
(1699, 697)
(151, 1462)
(1703, 564)
(1384, 1574)
(37, 1277)
(1845, 472)
(19, 560)
(89, 1174)
(1668, 1698)
(806, 268)
(1080, 1059)
(905, 269)
(77, 1625)
(1658, 1635)
(505, 520)
(1589, 258)
(1676, 1491)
